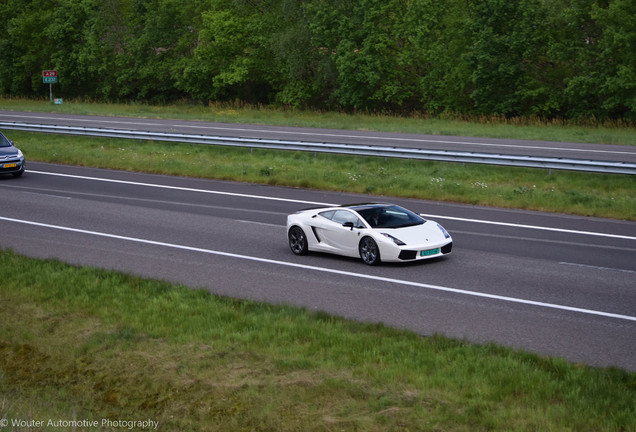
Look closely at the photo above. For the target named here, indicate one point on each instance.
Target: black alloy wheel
(369, 251)
(297, 241)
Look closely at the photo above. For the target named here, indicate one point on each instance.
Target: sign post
(49, 77)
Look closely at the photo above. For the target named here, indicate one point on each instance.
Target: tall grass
(81, 343)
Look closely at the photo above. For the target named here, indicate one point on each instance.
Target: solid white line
(327, 270)
(590, 233)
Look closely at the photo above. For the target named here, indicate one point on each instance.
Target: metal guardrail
(350, 149)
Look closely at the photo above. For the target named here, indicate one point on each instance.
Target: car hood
(8, 151)
(418, 234)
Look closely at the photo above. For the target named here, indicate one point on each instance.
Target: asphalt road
(552, 284)
(598, 152)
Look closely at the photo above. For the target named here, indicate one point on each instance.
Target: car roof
(366, 206)
(354, 207)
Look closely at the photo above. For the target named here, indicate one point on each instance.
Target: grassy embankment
(599, 195)
(79, 343)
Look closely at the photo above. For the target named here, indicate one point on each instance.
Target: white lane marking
(122, 121)
(326, 270)
(332, 135)
(29, 190)
(538, 240)
(617, 236)
(261, 223)
(177, 188)
(563, 230)
(47, 194)
(596, 267)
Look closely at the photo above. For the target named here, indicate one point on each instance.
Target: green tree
(568, 58)
(436, 55)
(106, 34)
(65, 27)
(575, 48)
(233, 52)
(10, 81)
(511, 68)
(156, 36)
(306, 70)
(26, 47)
(617, 54)
(371, 71)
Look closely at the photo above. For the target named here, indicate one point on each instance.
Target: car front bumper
(392, 253)
(12, 165)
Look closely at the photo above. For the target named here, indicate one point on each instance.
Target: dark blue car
(11, 158)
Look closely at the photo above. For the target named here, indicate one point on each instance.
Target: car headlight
(20, 153)
(441, 228)
(395, 240)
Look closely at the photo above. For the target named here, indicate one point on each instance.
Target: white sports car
(373, 232)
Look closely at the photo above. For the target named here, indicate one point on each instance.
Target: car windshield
(389, 217)
(4, 142)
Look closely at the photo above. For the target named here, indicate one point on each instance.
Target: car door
(343, 239)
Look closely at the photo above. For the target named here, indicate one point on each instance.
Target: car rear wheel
(369, 251)
(297, 240)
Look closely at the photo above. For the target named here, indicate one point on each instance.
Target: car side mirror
(348, 225)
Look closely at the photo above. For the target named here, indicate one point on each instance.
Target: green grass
(601, 195)
(81, 343)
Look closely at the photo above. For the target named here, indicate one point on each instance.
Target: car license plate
(10, 165)
(429, 252)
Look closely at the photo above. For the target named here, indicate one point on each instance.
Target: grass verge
(601, 195)
(80, 343)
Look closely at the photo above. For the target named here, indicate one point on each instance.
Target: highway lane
(553, 284)
(431, 142)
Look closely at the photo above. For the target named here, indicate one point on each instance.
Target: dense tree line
(549, 58)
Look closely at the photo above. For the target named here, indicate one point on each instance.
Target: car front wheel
(297, 240)
(369, 251)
